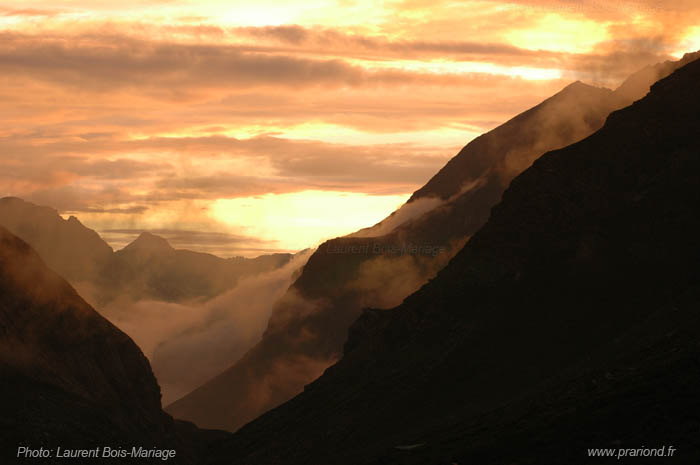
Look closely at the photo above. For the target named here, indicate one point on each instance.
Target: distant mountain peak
(11, 200)
(580, 87)
(577, 84)
(150, 242)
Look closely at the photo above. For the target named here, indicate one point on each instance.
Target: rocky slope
(569, 321)
(69, 378)
(380, 266)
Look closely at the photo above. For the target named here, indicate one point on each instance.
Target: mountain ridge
(309, 325)
(588, 265)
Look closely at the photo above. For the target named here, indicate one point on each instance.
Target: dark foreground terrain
(568, 322)
(309, 324)
(68, 377)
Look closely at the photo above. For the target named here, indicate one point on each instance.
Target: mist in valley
(189, 343)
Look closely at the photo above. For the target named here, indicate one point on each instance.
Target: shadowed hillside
(379, 266)
(568, 322)
(69, 378)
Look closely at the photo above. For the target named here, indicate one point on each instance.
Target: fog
(189, 343)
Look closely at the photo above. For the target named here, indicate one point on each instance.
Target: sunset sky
(246, 127)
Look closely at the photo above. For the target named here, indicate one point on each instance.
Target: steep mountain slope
(637, 85)
(68, 247)
(569, 321)
(569, 116)
(69, 378)
(381, 265)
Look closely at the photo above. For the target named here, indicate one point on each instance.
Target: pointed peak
(576, 83)
(574, 94)
(576, 91)
(579, 86)
(149, 242)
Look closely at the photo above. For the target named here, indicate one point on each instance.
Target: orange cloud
(131, 120)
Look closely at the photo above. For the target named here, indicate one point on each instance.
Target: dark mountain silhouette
(568, 322)
(68, 247)
(148, 244)
(379, 266)
(148, 268)
(70, 378)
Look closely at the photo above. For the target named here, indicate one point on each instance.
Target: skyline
(274, 125)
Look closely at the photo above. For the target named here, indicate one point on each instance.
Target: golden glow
(120, 110)
(557, 33)
(452, 135)
(304, 219)
(460, 67)
(224, 13)
(277, 12)
(337, 134)
(260, 13)
(690, 42)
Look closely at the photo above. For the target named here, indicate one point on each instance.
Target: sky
(242, 128)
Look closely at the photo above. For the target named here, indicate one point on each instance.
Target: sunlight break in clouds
(690, 42)
(296, 218)
(173, 114)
